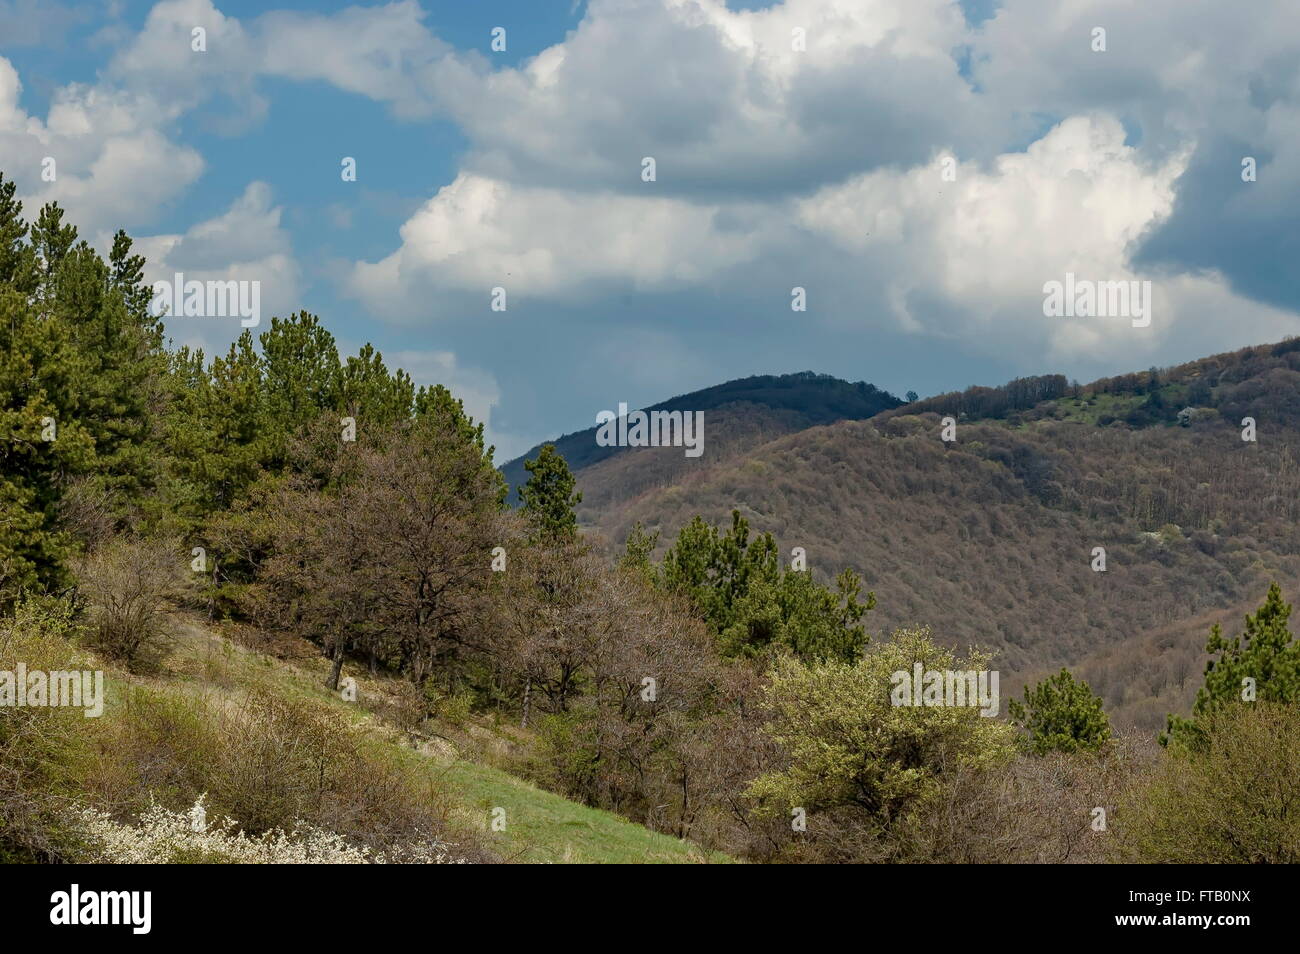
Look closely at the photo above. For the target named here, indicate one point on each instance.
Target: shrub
(167, 837)
(268, 762)
(861, 762)
(128, 584)
(1232, 799)
(37, 742)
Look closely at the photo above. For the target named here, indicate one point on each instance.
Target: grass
(543, 827)
(539, 826)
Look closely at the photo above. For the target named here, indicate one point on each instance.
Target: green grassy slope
(540, 827)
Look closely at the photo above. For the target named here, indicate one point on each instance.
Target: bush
(1035, 810)
(166, 837)
(269, 762)
(37, 742)
(859, 765)
(128, 584)
(1233, 799)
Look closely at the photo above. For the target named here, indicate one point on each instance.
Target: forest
(319, 613)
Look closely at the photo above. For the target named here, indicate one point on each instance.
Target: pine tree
(1266, 654)
(549, 498)
(372, 395)
(1061, 714)
(753, 606)
(437, 404)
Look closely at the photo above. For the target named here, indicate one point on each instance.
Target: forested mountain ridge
(742, 413)
(990, 537)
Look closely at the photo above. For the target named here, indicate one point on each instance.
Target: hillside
(742, 414)
(989, 539)
(457, 764)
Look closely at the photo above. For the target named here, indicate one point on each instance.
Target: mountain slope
(740, 414)
(990, 539)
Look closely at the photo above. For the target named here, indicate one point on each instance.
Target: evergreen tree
(549, 498)
(753, 606)
(1061, 714)
(436, 403)
(638, 549)
(43, 444)
(217, 431)
(1266, 654)
(372, 395)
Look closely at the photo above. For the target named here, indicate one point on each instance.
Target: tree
(549, 497)
(42, 443)
(863, 762)
(301, 376)
(715, 570)
(637, 551)
(393, 557)
(1266, 654)
(754, 607)
(438, 403)
(796, 613)
(1061, 714)
(217, 426)
(373, 395)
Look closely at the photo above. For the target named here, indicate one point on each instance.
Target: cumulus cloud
(111, 161)
(245, 243)
(478, 233)
(821, 164)
(382, 52)
(727, 102)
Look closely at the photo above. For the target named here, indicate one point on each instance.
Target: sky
(920, 169)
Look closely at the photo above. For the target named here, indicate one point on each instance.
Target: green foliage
(439, 404)
(78, 359)
(1061, 714)
(846, 747)
(1231, 799)
(753, 605)
(372, 395)
(549, 497)
(38, 742)
(1266, 653)
(300, 377)
(638, 549)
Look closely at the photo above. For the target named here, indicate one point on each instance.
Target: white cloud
(113, 165)
(245, 243)
(719, 97)
(479, 233)
(382, 52)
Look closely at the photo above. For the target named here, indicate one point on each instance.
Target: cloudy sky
(920, 167)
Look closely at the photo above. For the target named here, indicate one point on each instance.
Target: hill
(990, 538)
(742, 414)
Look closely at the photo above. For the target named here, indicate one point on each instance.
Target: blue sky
(780, 163)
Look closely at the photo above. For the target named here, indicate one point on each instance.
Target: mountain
(741, 414)
(991, 538)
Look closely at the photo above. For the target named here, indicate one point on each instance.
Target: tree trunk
(333, 682)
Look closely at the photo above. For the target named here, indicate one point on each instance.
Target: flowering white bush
(166, 837)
